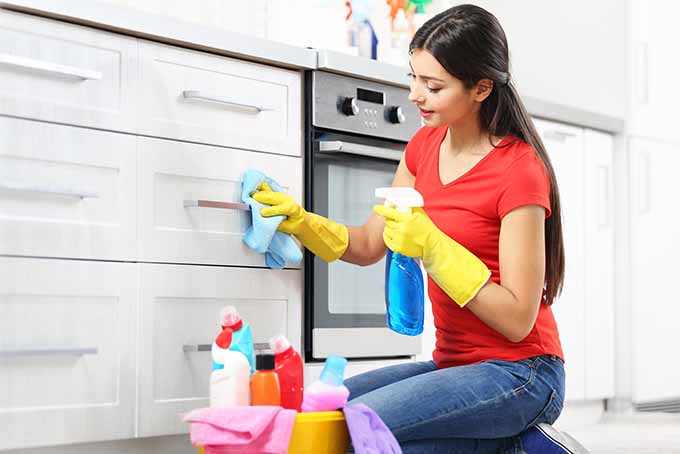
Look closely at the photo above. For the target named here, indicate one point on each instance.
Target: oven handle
(337, 146)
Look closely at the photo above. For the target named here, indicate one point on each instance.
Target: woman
(490, 239)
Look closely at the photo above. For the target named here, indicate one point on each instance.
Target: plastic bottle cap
(264, 361)
(333, 372)
(223, 339)
(279, 343)
(229, 316)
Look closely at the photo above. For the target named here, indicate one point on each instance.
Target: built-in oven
(356, 131)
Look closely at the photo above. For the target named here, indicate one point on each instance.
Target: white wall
(570, 52)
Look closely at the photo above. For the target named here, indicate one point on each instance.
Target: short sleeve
(413, 148)
(525, 183)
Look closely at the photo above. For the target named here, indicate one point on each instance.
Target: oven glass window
(351, 187)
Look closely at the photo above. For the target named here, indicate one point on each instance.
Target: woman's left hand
(406, 233)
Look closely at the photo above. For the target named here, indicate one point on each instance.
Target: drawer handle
(49, 352)
(214, 204)
(196, 348)
(49, 68)
(201, 96)
(47, 189)
(560, 136)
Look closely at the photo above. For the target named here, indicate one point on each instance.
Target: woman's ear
(482, 89)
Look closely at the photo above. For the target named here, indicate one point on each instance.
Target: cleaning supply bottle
(264, 384)
(229, 381)
(289, 368)
(328, 393)
(242, 339)
(404, 286)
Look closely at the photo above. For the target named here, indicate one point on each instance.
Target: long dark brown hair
(470, 44)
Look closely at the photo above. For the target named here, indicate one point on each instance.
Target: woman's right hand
(281, 205)
(325, 238)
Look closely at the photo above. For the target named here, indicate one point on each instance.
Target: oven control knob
(349, 107)
(396, 115)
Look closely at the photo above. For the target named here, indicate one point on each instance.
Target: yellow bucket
(323, 432)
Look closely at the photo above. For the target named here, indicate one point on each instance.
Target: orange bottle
(264, 384)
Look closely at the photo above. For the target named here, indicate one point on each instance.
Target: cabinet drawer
(66, 351)
(172, 172)
(180, 310)
(203, 98)
(65, 73)
(66, 192)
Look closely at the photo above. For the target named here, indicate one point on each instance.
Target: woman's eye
(433, 90)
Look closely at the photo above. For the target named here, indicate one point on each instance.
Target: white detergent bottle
(230, 379)
(404, 285)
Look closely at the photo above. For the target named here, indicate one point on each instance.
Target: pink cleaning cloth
(256, 429)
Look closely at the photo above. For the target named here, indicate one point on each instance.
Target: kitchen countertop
(210, 39)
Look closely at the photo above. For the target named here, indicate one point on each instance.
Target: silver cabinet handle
(337, 146)
(196, 348)
(49, 68)
(215, 204)
(46, 189)
(558, 135)
(604, 204)
(201, 96)
(644, 181)
(49, 352)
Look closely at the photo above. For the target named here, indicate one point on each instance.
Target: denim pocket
(550, 411)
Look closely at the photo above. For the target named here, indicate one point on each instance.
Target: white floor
(641, 433)
(601, 433)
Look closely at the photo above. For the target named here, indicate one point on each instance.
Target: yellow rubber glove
(325, 238)
(455, 269)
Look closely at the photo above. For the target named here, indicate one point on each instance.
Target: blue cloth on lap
(263, 236)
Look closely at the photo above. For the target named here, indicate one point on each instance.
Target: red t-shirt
(469, 210)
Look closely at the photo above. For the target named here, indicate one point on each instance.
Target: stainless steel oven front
(356, 131)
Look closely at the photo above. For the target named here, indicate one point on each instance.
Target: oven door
(347, 300)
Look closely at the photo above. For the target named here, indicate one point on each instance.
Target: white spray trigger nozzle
(403, 198)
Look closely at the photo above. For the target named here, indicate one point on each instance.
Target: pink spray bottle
(328, 393)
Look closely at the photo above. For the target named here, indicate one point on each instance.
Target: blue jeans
(480, 408)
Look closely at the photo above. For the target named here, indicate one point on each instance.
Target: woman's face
(441, 98)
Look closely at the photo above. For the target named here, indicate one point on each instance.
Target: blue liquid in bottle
(404, 294)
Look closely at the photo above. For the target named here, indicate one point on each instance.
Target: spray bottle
(404, 294)
(328, 393)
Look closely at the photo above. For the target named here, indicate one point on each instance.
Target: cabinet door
(205, 98)
(565, 148)
(66, 351)
(180, 308)
(64, 73)
(171, 172)
(653, 94)
(599, 265)
(655, 247)
(67, 192)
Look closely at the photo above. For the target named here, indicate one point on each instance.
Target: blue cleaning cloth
(277, 247)
(369, 433)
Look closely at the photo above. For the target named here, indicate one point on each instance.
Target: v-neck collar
(470, 170)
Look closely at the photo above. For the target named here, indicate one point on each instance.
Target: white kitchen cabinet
(653, 94)
(172, 172)
(180, 308)
(655, 246)
(204, 98)
(599, 265)
(67, 74)
(66, 191)
(67, 363)
(564, 145)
